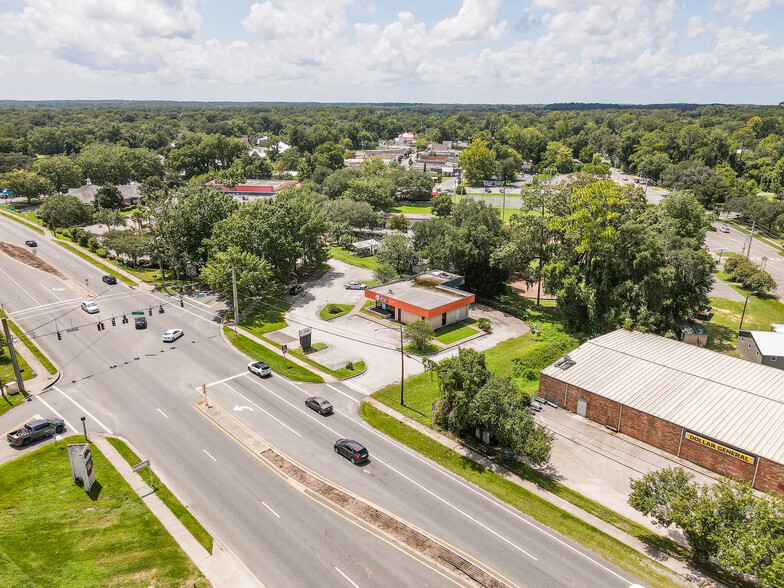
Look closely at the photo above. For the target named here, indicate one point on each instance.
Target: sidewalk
(220, 568)
(673, 564)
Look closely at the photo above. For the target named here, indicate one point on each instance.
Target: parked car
(260, 369)
(724, 229)
(140, 322)
(109, 279)
(35, 430)
(31, 243)
(172, 335)
(355, 286)
(488, 190)
(296, 289)
(352, 450)
(89, 307)
(319, 404)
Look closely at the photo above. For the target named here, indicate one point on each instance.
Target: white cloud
(695, 27)
(474, 23)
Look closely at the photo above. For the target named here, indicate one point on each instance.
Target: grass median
(546, 513)
(278, 364)
(166, 496)
(333, 310)
(56, 534)
(32, 348)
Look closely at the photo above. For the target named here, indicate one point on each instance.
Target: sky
(434, 51)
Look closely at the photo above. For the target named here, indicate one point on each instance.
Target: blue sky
(463, 51)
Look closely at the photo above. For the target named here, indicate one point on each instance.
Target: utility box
(304, 337)
(81, 464)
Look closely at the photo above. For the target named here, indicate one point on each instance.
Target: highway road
(128, 383)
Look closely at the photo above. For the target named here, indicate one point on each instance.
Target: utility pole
(751, 236)
(12, 355)
(402, 364)
(236, 303)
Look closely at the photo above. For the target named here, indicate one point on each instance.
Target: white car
(259, 368)
(355, 286)
(724, 229)
(172, 335)
(89, 307)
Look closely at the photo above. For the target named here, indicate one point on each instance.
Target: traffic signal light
(150, 311)
(99, 326)
(182, 304)
(59, 336)
(114, 323)
(125, 319)
(160, 309)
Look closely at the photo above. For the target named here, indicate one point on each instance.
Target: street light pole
(744, 309)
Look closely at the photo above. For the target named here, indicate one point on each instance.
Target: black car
(295, 289)
(109, 279)
(140, 322)
(352, 450)
(35, 430)
(319, 404)
(31, 243)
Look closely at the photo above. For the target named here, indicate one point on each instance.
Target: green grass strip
(341, 373)
(104, 268)
(169, 499)
(32, 348)
(543, 511)
(22, 221)
(342, 309)
(368, 262)
(6, 369)
(277, 363)
(53, 533)
(10, 401)
(454, 332)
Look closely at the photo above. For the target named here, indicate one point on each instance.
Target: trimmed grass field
(605, 546)
(182, 513)
(455, 332)
(277, 363)
(10, 401)
(341, 254)
(53, 533)
(326, 314)
(266, 316)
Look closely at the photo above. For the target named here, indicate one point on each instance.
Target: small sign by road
(141, 466)
(141, 312)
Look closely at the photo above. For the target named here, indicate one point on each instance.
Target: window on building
(773, 358)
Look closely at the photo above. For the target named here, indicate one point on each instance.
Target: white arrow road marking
(241, 408)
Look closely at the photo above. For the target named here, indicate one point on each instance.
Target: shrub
(484, 324)
(333, 309)
(350, 365)
(101, 252)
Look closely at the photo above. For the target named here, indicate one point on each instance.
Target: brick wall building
(720, 412)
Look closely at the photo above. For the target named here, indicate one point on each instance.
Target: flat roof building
(432, 296)
(765, 347)
(721, 412)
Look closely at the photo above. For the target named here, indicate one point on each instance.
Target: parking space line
(100, 424)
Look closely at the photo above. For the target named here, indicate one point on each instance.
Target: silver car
(724, 229)
(172, 335)
(260, 369)
(355, 286)
(89, 307)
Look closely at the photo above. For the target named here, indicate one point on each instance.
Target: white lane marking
(346, 577)
(59, 298)
(42, 306)
(490, 499)
(208, 320)
(299, 408)
(224, 380)
(270, 509)
(261, 409)
(20, 287)
(50, 407)
(343, 393)
(84, 410)
(163, 413)
(212, 458)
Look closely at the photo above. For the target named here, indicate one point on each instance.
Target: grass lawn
(341, 254)
(89, 259)
(429, 348)
(277, 363)
(605, 546)
(10, 401)
(266, 316)
(369, 283)
(27, 374)
(182, 513)
(411, 208)
(55, 534)
(7, 369)
(340, 309)
(342, 373)
(16, 217)
(455, 332)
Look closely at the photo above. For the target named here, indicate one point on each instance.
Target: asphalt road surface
(129, 383)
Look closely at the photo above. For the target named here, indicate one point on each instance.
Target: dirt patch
(27, 257)
(521, 288)
(399, 530)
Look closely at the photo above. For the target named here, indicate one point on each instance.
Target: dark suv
(140, 322)
(35, 430)
(352, 450)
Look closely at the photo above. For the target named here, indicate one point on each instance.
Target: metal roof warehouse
(719, 411)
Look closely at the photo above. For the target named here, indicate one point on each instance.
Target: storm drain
(400, 531)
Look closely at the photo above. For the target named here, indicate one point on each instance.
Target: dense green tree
(26, 184)
(385, 272)
(109, 196)
(477, 161)
(397, 250)
(131, 244)
(115, 164)
(14, 161)
(557, 156)
(418, 334)
(328, 155)
(398, 222)
(336, 184)
(64, 210)
(109, 217)
(60, 170)
(379, 192)
(254, 275)
(352, 213)
(442, 204)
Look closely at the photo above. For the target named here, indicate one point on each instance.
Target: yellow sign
(721, 448)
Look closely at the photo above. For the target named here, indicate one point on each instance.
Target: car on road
(488, 190)
(140, 322)
(355, 286)
(109, 279)
(724, 229)
(319, 404)
(172, 335)
(260, 369)
(31, 243)
(296, 289)
(89, 307)
(36, 430)
(352, 450)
